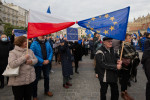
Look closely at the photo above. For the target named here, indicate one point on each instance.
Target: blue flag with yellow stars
(88, 32)
(113, 24)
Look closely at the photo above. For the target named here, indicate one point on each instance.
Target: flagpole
(27, 45)
(122, 50)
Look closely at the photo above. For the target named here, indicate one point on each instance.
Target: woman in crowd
(146, 62)
(5, 47)
(22, 84)
(66, 62)
(86, 43)
(129, 54)
(77, 55)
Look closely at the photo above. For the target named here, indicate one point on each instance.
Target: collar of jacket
(6, 42)
(40, 41)
(127, 43)
(20, 49)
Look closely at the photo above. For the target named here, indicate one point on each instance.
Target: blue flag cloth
(88, 32)
(148, 30)
(57, 36)
(92, 35)
(139, 32)
(112, 24)
(48, 10)
(134, 35)
(72, 34)
(19, 32)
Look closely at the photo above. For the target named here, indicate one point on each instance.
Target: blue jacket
(36, 48)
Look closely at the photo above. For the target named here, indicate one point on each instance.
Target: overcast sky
(82, 9)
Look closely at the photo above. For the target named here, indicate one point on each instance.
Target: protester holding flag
(129, 54)
(106, 69)
(22, 85)
(5, 47)
(43, 51)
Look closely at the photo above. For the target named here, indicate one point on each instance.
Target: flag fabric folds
(88, 32)
(148, 30)
(113, 24)
(43, 23)
(139, 32)
(48, 10)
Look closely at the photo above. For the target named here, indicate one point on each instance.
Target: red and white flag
(43, 23)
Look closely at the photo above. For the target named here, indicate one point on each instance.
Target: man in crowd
(106, 69)
(43, 51)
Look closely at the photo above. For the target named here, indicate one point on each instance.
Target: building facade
(15, 15)
(9, 15)
(21, 13)
(141, 23)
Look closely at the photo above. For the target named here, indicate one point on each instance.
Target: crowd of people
(105, 52)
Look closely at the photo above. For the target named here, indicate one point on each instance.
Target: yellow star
(93, 19)
(91, 28)
(112, 28)
(115, 23)
(106, 32)
(106, 16)
(87, 25)
(112, 18)
(98, 31)
(89, 22)
(99, 16)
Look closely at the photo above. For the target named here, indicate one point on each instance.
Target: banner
(72, 34)
(19, 32)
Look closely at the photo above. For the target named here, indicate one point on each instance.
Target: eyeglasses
(109, 41)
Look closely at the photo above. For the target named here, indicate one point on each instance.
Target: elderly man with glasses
(106, 69)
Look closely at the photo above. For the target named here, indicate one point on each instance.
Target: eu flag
(139, 32)
(148, 30)
(48, 10)
(88, 32)
(113, 24)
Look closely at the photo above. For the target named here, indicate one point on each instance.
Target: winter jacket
(66, 62)
(147, 44)
(146, 59)
(106, 65)
(26, 72)
(5, 47)
(77, 51)
(36, 48)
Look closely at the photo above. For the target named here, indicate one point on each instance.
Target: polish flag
(43, 23)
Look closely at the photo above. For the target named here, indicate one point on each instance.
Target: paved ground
(85, 85)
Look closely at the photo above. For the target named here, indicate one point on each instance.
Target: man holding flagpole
(106, 69)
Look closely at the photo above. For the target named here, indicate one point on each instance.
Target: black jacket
(147, 44)
(77, 51)
(146, 58)
(5, 47)
(106, 64)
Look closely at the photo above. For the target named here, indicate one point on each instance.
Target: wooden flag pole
(27, 45)
(122, 50)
